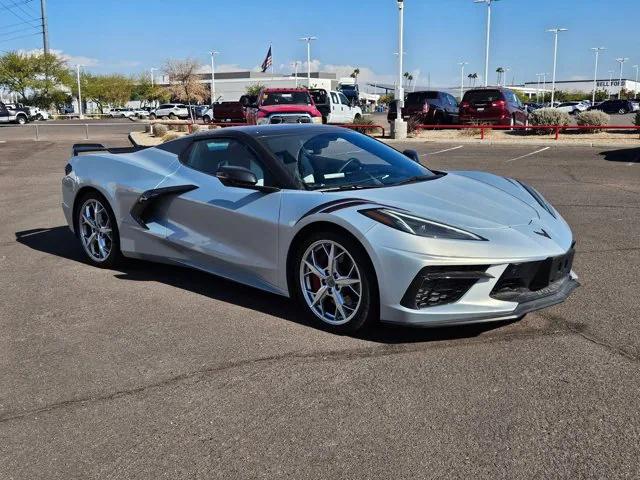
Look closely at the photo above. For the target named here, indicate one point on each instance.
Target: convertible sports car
(354, 229)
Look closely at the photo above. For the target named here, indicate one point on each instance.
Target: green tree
(104, 90)
(37, 78)
(184, 81)
(254, 89)
(144, 92)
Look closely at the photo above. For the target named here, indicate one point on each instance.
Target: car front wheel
(622, 111)
(335, 283)
(97, 230)
(21, 119)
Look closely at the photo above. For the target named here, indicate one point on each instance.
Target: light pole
(488, 41)
(621, 61)
(213, 53)
(462, 64)
(595, 73)
(504, 76)
(544, 86)
(539, 76)
(308, 40)
(555, 32)
(399, 125)
(635, 89)
(79, 92)
(151, 70)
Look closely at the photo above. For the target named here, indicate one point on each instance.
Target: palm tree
(355, 74)
(406, 75)
(410, 78)
(499, 71)
(472, 77)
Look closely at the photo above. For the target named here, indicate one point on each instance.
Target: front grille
(275, 119)
(439, 285)
(522, 282)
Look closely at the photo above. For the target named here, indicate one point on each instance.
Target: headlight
(538, 198)
(418, 226)
(263, 121)
(316, 119)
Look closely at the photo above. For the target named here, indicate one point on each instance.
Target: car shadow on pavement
(60, 241)
(627, 155)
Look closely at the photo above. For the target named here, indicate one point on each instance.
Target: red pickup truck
(283, 105)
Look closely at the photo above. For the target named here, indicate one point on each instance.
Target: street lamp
(486, 57)
(504, 76)
(555, 32)
(213, 53)
(595, 74)
(295, 65)
(399, 125)
(621, 61)
(308, 40)
(79, 92)
(635, 88)
(462, 64)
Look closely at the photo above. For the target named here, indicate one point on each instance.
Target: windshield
(474, 96)
(286, 98)
(342, 160)
(418, 98)
(348, 88)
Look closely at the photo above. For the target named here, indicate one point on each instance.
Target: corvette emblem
(542, 233)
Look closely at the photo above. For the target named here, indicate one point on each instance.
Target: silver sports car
(352, 228)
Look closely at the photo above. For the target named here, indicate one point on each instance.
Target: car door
(4, 114)
(453, 109)
(228, 230)
(345, 109)
(335, 109)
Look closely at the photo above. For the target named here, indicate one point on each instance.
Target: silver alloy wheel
(330, 282)
(95, 231)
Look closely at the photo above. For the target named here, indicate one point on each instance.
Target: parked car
(433, 107)
(142, 112)
(170, 110)
(283, 105)
(232, 112)
(13, 114)
(614, 106)
(492, 105)
(532, 106)
(636, 105)
(121, 113)
(39, 114)
(334, 106)
(351, 91)
(198, 110)
(572, 108)
(351, 228)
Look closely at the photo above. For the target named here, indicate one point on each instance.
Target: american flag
(267, 61)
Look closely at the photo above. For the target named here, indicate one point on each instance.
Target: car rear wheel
(172, 116)
(622, 111)
(97, 230)
(334, 282)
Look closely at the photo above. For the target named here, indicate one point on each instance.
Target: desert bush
(548, 116)
(593, 118)
(414, 121)
(160, 130)
(170, 136)
(364, 121)
(196, 128)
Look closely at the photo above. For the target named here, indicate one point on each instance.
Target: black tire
(622, 111)
(39, 117)
(357, 117)
(206, 119)
(172, 116)
(367, 312)
(115, 256)
(21, 119)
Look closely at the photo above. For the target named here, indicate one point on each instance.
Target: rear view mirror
(236, 176)
(412, 154)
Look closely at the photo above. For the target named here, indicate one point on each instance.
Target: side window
(334, 98)
(208, 156)
(343, 99)
(452, 101)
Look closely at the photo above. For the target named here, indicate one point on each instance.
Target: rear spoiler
(79, 148)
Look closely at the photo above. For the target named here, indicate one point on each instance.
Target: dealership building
(611, 86)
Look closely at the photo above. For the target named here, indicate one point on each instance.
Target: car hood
(473, 200)
(288, 109)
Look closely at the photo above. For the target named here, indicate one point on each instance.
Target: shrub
(170, 136)
(637, 122)
(548, 116)
(593, 118)
(364, 121)
(414, 121)
(196, 128)
(160, 130)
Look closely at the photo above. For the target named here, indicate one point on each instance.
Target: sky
(131, 36)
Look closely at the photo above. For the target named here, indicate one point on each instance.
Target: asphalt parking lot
(152, 371)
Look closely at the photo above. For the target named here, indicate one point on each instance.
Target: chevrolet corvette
(353, 229)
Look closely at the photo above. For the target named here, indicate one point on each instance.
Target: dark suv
(492, 105)
(434, 108)
(614, 106)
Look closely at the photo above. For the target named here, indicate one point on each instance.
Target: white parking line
(442, 151)
(527, 155)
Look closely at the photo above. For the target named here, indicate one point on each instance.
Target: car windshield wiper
(352, 186)
(417, 178)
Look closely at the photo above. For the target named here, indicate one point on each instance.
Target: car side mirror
(412, 154)
(236, 176)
